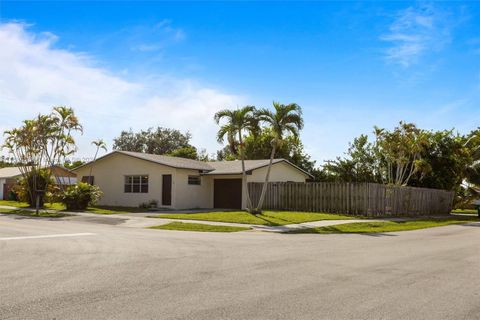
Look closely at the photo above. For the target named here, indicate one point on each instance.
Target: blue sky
(350, 65)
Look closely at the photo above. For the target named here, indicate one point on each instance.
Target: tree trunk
(265, 184)
(244, 175)
(90, 180)
(37, 205)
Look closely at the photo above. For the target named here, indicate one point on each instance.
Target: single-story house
(9, 177)
(132, 178)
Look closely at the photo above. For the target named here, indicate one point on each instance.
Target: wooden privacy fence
(369, 199)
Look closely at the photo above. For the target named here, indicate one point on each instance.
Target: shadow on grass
(277, 218)
(384, 228)
(339, 229)
(273, 221)
(270, 223)
(330, 230)
(29, 214)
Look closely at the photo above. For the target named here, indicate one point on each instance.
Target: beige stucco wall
(192, 196)
(110, 173)
(280, 172)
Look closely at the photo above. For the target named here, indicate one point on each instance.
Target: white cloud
(158, 36)
(34, 76)
(166, 26)
(415, 32)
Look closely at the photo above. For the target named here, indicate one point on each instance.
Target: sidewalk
(139, 220)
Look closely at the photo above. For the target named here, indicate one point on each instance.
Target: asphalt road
(99, 269)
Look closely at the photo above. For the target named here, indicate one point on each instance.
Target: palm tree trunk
(244, 175)
(91, 168)
(265, 184)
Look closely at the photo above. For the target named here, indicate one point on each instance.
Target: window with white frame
(195, 180)
(136, 184)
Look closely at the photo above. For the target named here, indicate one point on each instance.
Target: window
(136, 184)
(194, 180)
(88, 179)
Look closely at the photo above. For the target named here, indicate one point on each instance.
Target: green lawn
(268, 218)
(465, 211)
(386, 226)
(182, 226)
(16, 204)
(30, 213)
(60, 206)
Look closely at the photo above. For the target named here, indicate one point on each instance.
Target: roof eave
(136, 157)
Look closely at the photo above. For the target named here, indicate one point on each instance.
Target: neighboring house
(131, 178)
(9, 177)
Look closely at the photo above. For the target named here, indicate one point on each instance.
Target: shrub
(54, 194)
(12, 196)
(81, 195)
(143, 205)
(35, 183)
(149, 205)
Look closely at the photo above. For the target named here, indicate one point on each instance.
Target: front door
(167, 190)
(7, 187)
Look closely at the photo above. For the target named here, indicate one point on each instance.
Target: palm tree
(471, 183)
(64, 122)
(284, 120)
(100, 144)
(238, 122)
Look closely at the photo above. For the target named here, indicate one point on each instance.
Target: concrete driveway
(94, 269)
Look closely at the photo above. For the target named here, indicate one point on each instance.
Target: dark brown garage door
(227, 193)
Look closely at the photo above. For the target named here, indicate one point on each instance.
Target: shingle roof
(10, 172)
(235, 167)
(175, 162)
(209, 168)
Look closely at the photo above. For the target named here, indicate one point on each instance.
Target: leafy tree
(73, 164)
(291, 149)
(400, 152)
(40, 144)
(285, 120)
(155, 141)
(237, 123)
(469, 189)
(448, 159)
(6, 161)
(359, 165)
(189, 152)
(225, 153)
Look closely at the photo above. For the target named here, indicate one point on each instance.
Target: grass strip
(268, 218)
(31, 213)
(465, 211)
(182, 226)
(385, 226)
